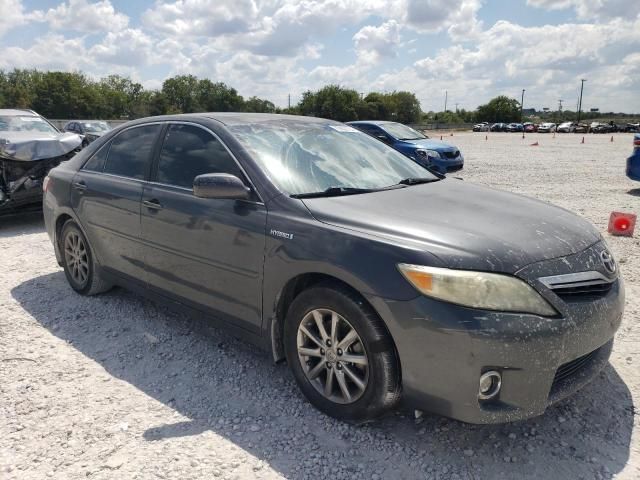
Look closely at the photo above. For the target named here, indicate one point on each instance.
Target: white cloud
(375, 43)
(51, 51)
(12, 15)
(84, 16)
(593, 9)
(129, 47)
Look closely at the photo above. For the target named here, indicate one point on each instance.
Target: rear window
(130, 152)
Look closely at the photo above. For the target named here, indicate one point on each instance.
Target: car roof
(18, 112)
(370, 122)
(241, 118)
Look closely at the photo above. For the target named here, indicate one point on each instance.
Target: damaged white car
(29, 147)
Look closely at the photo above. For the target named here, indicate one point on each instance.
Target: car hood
(29, 146)
(429, 144)
(466, 226)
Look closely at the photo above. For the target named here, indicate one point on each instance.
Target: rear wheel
(341, 354)
(78, 261)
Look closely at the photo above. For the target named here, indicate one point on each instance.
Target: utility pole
(580, 102)
(289, 101)
(446, 96)
(521, 105)
(361, 95)
(457, 107)
(560, 105)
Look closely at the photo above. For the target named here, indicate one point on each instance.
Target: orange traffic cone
(535, 144)
(582, 140)
(612, 138)
(486, 137)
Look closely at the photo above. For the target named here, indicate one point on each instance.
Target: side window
(130, 152)
(189, 151)
(96, 162)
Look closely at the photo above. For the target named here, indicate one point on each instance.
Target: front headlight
(427, 153)
(488, 291)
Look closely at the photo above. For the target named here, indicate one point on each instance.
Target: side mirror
(220, 185)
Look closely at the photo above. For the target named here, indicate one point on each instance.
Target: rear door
(106, 196)
(205, 252)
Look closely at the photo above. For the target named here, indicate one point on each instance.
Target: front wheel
(341, 354)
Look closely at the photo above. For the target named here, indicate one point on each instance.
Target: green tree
(499, 109)
(332, 101)
(181, 93)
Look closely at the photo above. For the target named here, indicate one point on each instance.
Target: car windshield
(26, 123)
(95, 127)
(302, 157)
(402, 132)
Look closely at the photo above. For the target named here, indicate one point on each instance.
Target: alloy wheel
(332, 356)
(76, 257)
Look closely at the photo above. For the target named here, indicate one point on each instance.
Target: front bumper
(445, 348)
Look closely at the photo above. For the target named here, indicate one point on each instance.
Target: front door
(208, 253)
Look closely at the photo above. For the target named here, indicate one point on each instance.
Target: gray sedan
(373, 278)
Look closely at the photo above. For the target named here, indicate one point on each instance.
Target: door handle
(80, 185)
(153, 204)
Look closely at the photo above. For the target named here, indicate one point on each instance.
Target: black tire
(383, 387)
(93, 283)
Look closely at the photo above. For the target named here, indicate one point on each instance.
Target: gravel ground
(117, 387)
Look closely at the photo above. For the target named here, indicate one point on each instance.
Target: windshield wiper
(414, 138)
(417, 180)
(334, 192)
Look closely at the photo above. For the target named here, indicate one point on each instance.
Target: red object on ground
(622, 224)
(534, 144)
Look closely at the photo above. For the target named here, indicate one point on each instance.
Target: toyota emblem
(608, 261)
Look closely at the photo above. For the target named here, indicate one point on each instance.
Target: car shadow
(21, 224)
(212, 379)
(634, 191)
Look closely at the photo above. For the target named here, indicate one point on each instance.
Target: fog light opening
(490, 383)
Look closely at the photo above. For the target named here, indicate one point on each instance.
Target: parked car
(632, 127)
(332, 250)
(515, 127)
(567, 127)
(481, 127)
(438, 156)
(547, 128)
(597, 127)
(499, 127)
(581, 128)
(530, 127)
(633, 162)
(29, 147)
(89, 129)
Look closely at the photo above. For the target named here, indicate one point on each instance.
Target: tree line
(68, 95)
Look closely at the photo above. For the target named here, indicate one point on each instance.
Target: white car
(481, 127)
(547, 128)
(566, 127)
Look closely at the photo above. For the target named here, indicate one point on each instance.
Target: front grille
(453, 154)
(579, 286)
(585, 291)
(569, 369)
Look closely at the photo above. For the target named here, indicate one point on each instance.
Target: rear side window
(130, 152)
(189, 151)
(96, 162)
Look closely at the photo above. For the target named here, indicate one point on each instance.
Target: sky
(472, 49)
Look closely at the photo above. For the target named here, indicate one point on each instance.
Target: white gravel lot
(116, 387)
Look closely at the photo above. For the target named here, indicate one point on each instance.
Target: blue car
(633, 162)
(438, 156)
